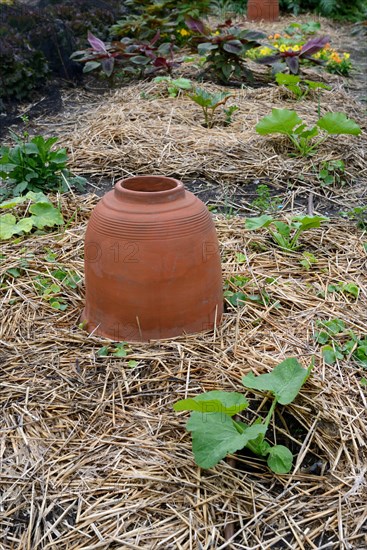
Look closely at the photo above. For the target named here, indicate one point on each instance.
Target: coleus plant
(291, 58)
(215, 433)
(225, 49)
(285, 121)
(128, 54)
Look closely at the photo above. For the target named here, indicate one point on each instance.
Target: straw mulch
(92, 455)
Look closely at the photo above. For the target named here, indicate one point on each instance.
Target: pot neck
(149, 189)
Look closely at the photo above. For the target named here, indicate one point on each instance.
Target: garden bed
(92, 454)
(95, 457)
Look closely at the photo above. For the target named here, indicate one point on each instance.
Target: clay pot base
(152, 263)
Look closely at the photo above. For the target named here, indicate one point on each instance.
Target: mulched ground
(92, 454)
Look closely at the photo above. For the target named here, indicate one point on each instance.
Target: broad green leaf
(280, 459)
(257, 223)
(334, 326)
(45, 215)
(309, 222)
(10, 203)
(351, 288)
(183, 83)
(9, 226)
(214, 436)
(37, 197)
(120, 350)
(331, 355)
(235, 298)
(103, 352)
(338, 123)
(287, 79)
(215, 401)
(13, 271)
(314, 85)
(322, 337)
(281, 121)
(284, 381)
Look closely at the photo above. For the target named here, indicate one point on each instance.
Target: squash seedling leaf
(338, 123)
(282, 121)
(216, 401)
(214, 435)
(45, 214)
(280, 459)
(284, 381)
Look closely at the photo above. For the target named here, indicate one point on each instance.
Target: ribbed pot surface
(152, 263)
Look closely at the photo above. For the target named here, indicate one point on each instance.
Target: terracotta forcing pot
(152, 263)
(266, 10)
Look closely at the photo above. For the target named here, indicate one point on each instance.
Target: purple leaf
(196, 25)
(97, 44)
(293, 64)
(314, 45)
(155, 38)
(107, 65)
(269, 59)
(233, 46)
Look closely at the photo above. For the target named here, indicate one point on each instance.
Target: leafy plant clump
(52, 291)
(225, 48)
(331, 172)
(339, 342)
(34, 166)
(299, 87)
(215, 433)
(287, 122)
(40, 214)
(264, 201)
(209, 103)
(285, 234)
(131, 57)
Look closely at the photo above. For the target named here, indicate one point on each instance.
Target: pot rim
(149, 188)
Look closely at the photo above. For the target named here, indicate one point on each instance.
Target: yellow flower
(317, 55)
(346, 55)
(184, 32)
(265, 51)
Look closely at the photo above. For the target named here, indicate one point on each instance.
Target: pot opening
(151, 184)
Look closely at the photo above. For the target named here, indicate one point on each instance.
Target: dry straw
(92, 455)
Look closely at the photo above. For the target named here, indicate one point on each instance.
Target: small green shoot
(284, 121)
(350, 289)
(299, 87)
(215, 434)
(264, 201)
(285, 233)
(331, 173)
(229, 114)
(209, 103)
(119, 350)
(308, 260)
(339, 342)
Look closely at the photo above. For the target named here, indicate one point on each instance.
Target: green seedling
(215, 433)
(119, 350)
(229, 114)
(264, 201)
(209, 103)
(350, 289)
(235, 295)
(285, 234)
(287, 122)
(174, 85)
(338, 342)
(299, 87)
(331, 173)
(308, 260)
(40, 214)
